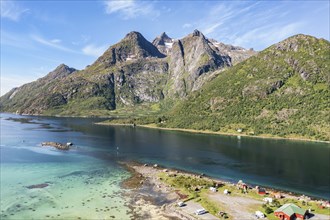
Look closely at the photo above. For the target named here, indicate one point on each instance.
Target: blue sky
(37, 36)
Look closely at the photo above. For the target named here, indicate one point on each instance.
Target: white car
(200, 211)
(181, 204)
(259, 214)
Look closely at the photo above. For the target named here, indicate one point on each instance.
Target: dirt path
(236, 207)
(320, 217)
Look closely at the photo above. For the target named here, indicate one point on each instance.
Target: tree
(268, 210)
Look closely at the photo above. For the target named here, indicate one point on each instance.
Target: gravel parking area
(190, 209)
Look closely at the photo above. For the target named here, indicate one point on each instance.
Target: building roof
(290, 209)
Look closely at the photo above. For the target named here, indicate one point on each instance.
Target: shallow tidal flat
(62, 191)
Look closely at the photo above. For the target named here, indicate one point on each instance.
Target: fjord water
(85, 181)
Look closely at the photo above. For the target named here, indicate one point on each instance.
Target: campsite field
(194, 191)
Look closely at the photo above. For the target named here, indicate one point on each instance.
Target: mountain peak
(197, 33)
(134, 35)
(62, 66)
(163, 42)
(164, 36)
(60, 71)
(162, 39)
(301, 36)
(296, 42)
(132, 47)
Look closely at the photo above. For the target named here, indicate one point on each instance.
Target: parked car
(181, 204)
(260, 214)
(200, 211)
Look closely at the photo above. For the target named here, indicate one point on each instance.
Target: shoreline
(153, 179)
(152, 126)
(149, 199)
(226, 134)
(130, 164)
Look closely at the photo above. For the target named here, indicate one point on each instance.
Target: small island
(57, 145)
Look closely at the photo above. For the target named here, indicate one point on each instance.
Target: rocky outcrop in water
(57, 145)
(38, 186)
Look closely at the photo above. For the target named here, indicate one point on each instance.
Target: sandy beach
(153, 198)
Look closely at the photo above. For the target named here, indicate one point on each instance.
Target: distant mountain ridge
(195, 83)
(131, 72)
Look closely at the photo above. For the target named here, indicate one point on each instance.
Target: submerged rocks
(38, 186)
(57, 145)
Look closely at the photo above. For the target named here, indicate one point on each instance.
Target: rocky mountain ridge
(131, 72)
(196, 83)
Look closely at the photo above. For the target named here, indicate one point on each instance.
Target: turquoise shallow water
(79, 185)
(88, 190)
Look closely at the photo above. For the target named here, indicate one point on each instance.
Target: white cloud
(221, 15)
(56, 41)
(131, 8)
(187, 25)
(11, 10)
(83, 40)
(212, 28)
(93, 50)
(51, 43)
(268, 34)
(248, 24)
(15, 40)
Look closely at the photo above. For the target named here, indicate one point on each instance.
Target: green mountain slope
(282, 91)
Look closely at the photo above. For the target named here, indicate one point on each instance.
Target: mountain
(283, 91)
(131, 73)
(134, 46)
(191, 62)
(35, 97)
(163, 43)
(196, 83)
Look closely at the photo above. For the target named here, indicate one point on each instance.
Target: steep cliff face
(141, 81)
(192, 58)
(129, 73)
